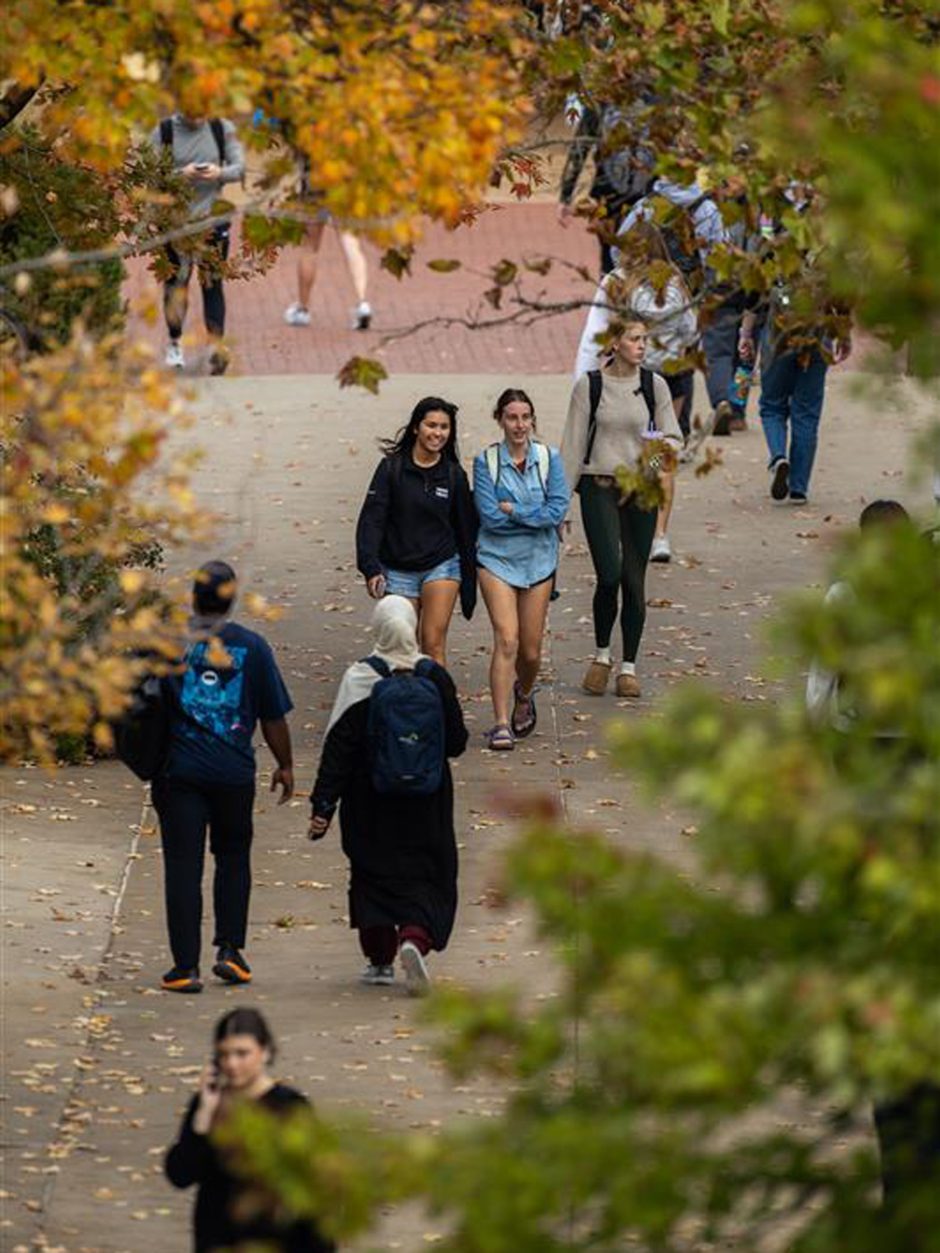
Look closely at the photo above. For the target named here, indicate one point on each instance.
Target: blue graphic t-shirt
(224, 691)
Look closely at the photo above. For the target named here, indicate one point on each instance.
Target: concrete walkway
(98, 1062)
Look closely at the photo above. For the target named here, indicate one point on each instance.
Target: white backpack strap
(492, 462)
(544, 460)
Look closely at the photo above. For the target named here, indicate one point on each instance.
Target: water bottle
(741, 384)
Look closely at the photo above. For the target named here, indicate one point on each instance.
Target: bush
(57, 205)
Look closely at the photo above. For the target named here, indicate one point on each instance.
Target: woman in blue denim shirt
(522, 498)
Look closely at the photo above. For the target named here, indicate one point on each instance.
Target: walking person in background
(417, 529)
(207, 153)
(690, 227)
(794, 363)
(623, 169)
(298, 313)
(401, 845)
(522, 498)
(669, 313)
(230, 681)
(238, 1072)
(609, 415)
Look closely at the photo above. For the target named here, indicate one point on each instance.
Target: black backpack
(215, 125)
(627, 171)
(595, 389)
(142, 735)
(406, 731)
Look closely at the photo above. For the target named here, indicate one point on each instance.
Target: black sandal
(523, 723)
(500, 739)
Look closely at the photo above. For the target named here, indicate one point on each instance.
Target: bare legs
(298, 315)
(356, 264)
(518, 618)
(668, 482)
(307, 263)
(435, 611)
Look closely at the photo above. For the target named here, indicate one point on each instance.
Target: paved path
(442, 305)
(263, 344)
(98, 1062)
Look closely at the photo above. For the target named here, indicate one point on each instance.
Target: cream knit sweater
(622, 420)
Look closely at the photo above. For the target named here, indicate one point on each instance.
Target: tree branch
(14, 101)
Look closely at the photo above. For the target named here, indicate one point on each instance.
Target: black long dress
(402, 850)
(194, 1159)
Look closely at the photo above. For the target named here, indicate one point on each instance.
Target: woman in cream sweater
(619, 532)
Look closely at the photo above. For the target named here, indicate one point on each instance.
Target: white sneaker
(296, 315)
(661, 551)
(417, 979)
(174, 355)
(378, 976)
(362, 316)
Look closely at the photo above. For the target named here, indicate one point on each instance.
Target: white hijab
(395, 641)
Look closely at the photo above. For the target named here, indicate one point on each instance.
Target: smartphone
(202, 165)
(215, 1075)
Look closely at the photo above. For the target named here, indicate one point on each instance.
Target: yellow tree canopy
(402, 108)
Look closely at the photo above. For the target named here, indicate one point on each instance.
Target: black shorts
(682, 387)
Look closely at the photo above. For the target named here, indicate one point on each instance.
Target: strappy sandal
(500, 738)
(524, 713)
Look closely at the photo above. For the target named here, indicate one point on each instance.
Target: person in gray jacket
(208, 154)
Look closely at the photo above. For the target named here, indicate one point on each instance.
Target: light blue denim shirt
(520, 548)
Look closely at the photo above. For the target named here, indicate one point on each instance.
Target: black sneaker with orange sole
(230, 966)
(180, 980)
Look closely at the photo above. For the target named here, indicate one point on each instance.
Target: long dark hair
(245, 1022)
(404, 441)
(507, 398)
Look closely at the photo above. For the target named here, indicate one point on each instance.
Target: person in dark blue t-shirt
(230, 682)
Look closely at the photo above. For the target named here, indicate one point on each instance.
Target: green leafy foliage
(705, 1071)
(50, 204)
(842, 99)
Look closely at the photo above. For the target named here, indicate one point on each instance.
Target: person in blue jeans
(793, 388)
(228, 682)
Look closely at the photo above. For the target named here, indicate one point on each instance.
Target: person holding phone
(207, 153)
(238, 1071)
(417, 529)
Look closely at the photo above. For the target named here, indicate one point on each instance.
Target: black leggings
(620, 538)
(185, 811)
(210, 280)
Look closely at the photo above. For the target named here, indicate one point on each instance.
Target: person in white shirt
(665, 304)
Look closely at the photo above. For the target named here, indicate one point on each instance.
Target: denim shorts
(410, 582)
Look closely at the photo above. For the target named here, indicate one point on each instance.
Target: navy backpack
(406, 731)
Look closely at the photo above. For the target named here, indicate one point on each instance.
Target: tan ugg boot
(597, 677)
(627, 685)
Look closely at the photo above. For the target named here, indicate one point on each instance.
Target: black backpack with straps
(215, 125)
(595, 389)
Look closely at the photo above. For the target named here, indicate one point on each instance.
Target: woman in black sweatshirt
(238, 1071)
(417, 529)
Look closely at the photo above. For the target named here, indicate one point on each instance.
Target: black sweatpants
(210, 280)
(620, 537)
(186, 811)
